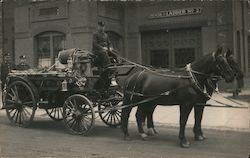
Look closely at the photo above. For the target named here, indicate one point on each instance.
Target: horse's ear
(218, 51)
(229, 53)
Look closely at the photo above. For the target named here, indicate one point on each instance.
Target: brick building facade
(161, 34)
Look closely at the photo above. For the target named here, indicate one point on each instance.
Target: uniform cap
(101, 23)
(22, 57)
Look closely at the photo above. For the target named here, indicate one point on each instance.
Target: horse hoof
(155, 131)
(151, 132)
(199, 137)
(144, 136)
(127, 138)
(184, 143)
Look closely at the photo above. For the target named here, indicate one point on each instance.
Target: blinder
(224, 69)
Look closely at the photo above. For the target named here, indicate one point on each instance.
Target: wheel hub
(113, 111)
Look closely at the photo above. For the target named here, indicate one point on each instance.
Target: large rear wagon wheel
(55, 114)
(78, 114)
(20, 103)
(111, 117)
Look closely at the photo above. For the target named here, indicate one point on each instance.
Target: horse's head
(235, 67)
(222, 66)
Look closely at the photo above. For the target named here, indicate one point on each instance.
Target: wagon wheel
(78, 114)
(55, 114)
(20, 103)
(111, 117)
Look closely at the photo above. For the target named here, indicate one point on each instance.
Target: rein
(148, 69)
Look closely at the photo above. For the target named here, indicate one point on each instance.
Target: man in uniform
(23, 64)
(101, 45)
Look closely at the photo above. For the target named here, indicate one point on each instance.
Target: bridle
(192, 73)
(222, 69)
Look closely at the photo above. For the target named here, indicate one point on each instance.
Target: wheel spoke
(27, 111)
(117, 117)
(12, 117)
(69, 120)
(27, 103)
(17, 116)
(118, 113)
(12, 96)
(27, 98)
(24, 115)
(17, 95)
(54, 112)
(72, 105)
(72, 123)
(75, 103)
(85, 123)
(106, 115)
(20, 120)
(13, 92)
(11, 101)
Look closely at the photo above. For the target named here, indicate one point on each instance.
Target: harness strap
(195, 81)
(142, 95)
(137, 103)
(133, 91)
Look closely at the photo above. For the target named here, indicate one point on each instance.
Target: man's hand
(111, 48)
(104, 48)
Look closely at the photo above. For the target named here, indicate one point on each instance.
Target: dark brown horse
(147, 112)
(183, 88)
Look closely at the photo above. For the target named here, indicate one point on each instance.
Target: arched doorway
(48, 44)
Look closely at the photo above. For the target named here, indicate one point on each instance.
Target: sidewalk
(221, 118)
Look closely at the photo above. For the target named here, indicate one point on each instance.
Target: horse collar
(195, 81)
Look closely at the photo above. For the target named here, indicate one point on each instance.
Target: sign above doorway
(176, 12)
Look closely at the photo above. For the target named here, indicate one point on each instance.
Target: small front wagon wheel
(78, 114)
(111, 117)
(55, 113)
(20, 103)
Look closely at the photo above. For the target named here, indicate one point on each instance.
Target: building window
(116, 41)
(49, 11)
(48, 46)
(159, 58)
(183, 56)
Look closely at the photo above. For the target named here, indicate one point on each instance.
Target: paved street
(46, 138)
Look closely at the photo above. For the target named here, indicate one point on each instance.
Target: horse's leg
(124, 122)
(139, 115)
(198, 113)
(184, 113)
(150, 121)
(144, 115)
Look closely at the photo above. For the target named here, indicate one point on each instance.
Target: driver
(101, 45)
